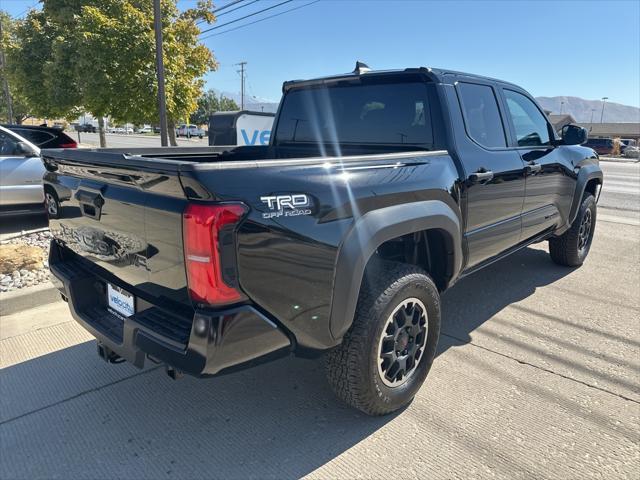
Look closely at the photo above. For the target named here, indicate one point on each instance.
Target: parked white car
(185, 130)
(632, 152)
(21, 172)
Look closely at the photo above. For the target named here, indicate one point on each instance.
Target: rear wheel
(52, 204)
(572, 247)
(386, 355)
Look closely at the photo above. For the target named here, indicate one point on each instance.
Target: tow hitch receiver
(109, 355)
(173, 373)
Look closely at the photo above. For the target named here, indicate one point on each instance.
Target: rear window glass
(37, 137)
(385, 114)
(481, 115)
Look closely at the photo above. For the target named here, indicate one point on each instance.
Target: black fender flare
(585, 175)
(372, 230)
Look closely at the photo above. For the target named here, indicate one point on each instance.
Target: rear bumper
(197, 342)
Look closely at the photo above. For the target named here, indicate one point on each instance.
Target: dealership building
(613, 130)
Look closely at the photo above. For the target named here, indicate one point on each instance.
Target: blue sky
(588, 49)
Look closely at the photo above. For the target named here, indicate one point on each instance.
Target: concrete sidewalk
(536, 377)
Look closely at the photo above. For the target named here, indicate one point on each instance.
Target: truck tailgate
(105, 217)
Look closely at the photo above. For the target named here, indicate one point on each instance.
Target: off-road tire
(571, 248)
(352, 368)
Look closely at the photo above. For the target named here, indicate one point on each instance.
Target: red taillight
(68, 145)
(201, 227)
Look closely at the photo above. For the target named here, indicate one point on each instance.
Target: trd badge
(291, 205)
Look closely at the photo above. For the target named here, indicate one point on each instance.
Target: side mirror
(574, 135)
(25, 150)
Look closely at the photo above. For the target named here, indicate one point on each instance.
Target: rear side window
(384, 114)
(37, 137)
(531, 126)
(481, 115)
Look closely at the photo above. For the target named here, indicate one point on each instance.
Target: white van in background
(240, 128)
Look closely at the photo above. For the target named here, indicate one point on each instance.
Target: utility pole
(604, 100)
(5, 83)
(241, 72)
(162, 105)
(592, 111)
(561, 106)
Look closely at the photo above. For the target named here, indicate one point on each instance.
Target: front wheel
(572, 247)
(386, 355)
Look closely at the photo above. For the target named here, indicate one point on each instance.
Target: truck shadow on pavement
(68, 414)
(478, 297)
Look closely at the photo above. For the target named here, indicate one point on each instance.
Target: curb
(30, 297)
(22, 233)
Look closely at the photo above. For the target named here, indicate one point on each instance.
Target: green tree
(209, 103)
(19, 105)
(116, 57)
(41, 62)
(99, 56)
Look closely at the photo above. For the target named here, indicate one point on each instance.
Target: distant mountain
(251, 103)
(580, 109)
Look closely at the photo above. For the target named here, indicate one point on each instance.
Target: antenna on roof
(361, 67)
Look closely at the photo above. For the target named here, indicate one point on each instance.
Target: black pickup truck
(377, 192)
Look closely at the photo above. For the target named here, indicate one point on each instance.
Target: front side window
(382, 114)
(532, 129)
(8, 145)
(481, 115)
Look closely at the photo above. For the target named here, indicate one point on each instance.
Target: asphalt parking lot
(118, 140)
(537, 376)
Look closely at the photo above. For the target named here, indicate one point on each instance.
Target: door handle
(532, 168)
(481, 177)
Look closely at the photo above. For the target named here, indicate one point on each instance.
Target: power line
(26, 10)
(216, 10)
(246, 16)
(260, 20)
(237, 8)
(230, 4)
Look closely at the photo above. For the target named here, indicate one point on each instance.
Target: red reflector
(68, 145)
(201, 225)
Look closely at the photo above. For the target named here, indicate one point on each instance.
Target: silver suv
(21, 172)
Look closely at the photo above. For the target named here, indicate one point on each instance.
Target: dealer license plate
(120, 300)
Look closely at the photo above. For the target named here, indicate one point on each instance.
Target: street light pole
(241, 72)
(561, 106)
(162, 105)
(592, 111)
(604, 100)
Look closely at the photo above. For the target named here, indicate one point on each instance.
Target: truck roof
(438, 75)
